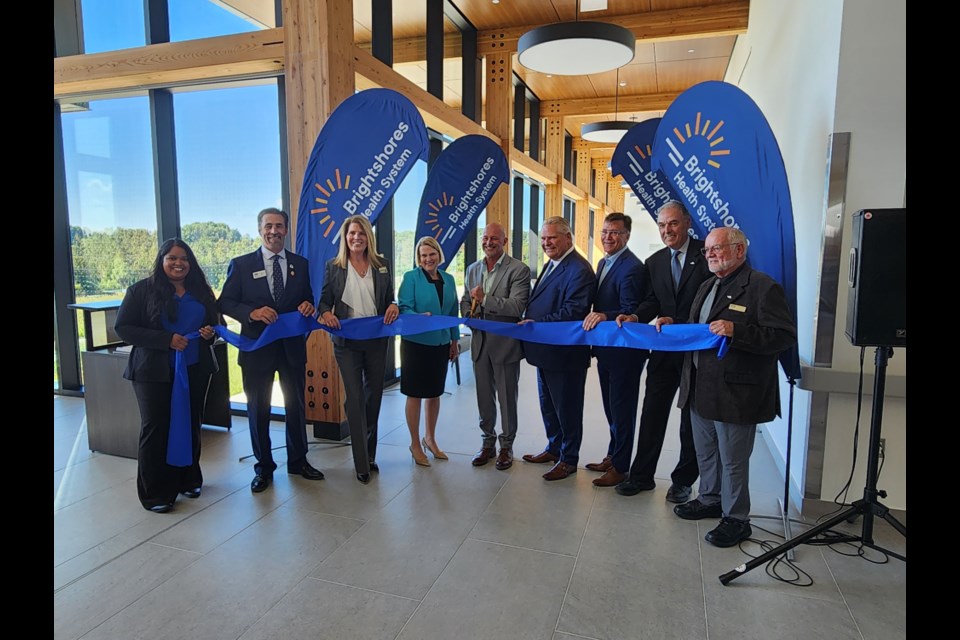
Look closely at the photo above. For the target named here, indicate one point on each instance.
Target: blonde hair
(431, 242)
(342, 252)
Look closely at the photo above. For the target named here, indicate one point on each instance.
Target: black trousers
(663, 380)
(258, 385)
(158, 482)
(362, 366)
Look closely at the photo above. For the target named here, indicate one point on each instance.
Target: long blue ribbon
(179, 440)
(672, 337)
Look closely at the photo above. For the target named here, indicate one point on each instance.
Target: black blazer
(661, 299)
(150, 357)
(742, 388)
(335, 281)
(242, 293)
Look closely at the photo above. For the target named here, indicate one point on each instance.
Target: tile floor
(446, 552)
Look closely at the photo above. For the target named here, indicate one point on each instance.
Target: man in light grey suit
(496, 288)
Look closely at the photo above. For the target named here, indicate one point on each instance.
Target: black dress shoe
(308, 472)
(162, 508)
(631, 487)
(729, 532)
(678, 494)
(260, 483)
(363, 477)
(192, 493)
(374, 467)
(696, 510)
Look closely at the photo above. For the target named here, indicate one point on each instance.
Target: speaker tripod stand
(868, 507)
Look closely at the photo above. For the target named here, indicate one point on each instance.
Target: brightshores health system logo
(363, 153)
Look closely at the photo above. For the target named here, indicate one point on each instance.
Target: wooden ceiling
(680, 43)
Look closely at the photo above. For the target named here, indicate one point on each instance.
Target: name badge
(737, 307)
(382, 269)
(260, 274)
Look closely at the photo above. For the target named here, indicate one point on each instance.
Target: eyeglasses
(717, 248)
(612, 233)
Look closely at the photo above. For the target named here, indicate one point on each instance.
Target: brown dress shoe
(610, 478)
(505, 459)
(602, 467)
(485, 455)
(560, 471)
(540, 458)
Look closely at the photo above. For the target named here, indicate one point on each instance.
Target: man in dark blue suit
(260, 286)
(621, 285)
(564, 292)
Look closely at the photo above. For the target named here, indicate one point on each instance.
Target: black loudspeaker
(877, 305)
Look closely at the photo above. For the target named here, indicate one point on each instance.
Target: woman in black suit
(155, 315)
(358, 284)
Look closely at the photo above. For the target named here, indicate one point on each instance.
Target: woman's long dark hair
(161, 298)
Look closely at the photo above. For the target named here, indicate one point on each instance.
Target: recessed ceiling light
(623, 83)
(690, 50)
(496, 1)
(549, 75)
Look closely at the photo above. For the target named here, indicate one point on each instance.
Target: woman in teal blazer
(430, 291)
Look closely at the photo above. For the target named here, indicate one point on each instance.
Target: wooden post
(553, 145)
(499, 108)
(319, 75)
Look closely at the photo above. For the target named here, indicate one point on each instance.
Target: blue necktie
(676, 269)
(546, 272)
(277, 279)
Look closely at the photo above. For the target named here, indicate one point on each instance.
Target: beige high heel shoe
(423, 461)
(439, 455)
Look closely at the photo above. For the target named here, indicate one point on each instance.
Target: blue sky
(227, 140)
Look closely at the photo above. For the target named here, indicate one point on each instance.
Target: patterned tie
(277, 278)
(676, 268)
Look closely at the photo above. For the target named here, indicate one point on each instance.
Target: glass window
(191, 19)
(452, 64)
(108, 160)
(109, 25)
(228, 169)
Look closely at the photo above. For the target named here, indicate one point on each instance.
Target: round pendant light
(608, 131)
(576, 48)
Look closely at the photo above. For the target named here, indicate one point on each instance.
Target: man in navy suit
(675, 272)
(621, 285)
(564, 292)
(260, 286)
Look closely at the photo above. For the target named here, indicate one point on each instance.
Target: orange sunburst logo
(324, 202)
(432, 217)
(707, 130)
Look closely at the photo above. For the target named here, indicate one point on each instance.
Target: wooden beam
(529, 167)
(257, 53)
(727, 19)
(598, 106)
(436, 114)
(553, 159)
(415, 49)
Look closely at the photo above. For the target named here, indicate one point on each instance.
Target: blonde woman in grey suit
(358, 284)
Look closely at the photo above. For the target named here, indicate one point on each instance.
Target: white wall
(815, 68)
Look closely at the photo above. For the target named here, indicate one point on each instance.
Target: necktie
(675, 269)
(705, 313)
(546, 272)
(277, 278)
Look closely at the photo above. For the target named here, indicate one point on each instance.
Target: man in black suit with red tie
(675, 272)
(260, 286)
